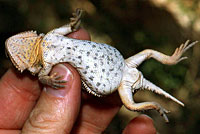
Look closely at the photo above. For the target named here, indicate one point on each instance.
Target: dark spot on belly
(98, 84)
(116, 74)
(85, 72)
(111, 69)
(91, 78)
(88, 53)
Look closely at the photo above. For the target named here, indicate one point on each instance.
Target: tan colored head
(23, 49)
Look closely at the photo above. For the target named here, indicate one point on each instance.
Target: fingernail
(67, 76)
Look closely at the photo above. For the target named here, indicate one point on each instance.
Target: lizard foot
(52, 80)
(163, 113)
(176, 57)
(75, 20)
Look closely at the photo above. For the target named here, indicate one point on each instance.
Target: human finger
(56, 110)
(18, 94)
(81, 34)
(10, 131)
(96, 113)
(140, 125)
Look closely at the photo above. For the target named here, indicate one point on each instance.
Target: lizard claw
(53, 80)
(179, 51)
(163, 113)
(75, 20)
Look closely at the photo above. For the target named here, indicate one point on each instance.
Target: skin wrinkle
(30, 97)
(40, 117)
(59, 105)
(24, 93)
(87, 126)
(16, 117)
(9, 131)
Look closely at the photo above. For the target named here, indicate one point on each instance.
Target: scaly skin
(102, 68)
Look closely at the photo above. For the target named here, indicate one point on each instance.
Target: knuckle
(41, 122)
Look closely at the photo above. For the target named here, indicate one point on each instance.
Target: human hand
(25, 107)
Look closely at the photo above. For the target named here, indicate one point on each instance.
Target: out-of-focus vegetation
(130, 26)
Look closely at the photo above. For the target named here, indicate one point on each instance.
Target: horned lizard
(102, 68)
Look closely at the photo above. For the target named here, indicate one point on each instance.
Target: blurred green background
(131, 26)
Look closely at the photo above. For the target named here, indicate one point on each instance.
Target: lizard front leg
(52, 80)
(72, 26)
(137, 59)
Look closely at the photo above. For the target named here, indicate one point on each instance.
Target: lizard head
(23, 49)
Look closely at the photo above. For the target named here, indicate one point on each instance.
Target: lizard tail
(150, 86)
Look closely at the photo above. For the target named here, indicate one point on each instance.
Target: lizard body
(102, 68)
(100, 72)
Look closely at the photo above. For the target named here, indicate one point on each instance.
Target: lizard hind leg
(73, 26)
(127, 99)
(75, 21)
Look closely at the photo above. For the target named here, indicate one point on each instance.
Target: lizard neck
(36, 55)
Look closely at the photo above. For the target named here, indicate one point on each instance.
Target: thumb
(56, 110)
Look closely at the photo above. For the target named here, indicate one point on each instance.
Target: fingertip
(142, 124)
(80, 34)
